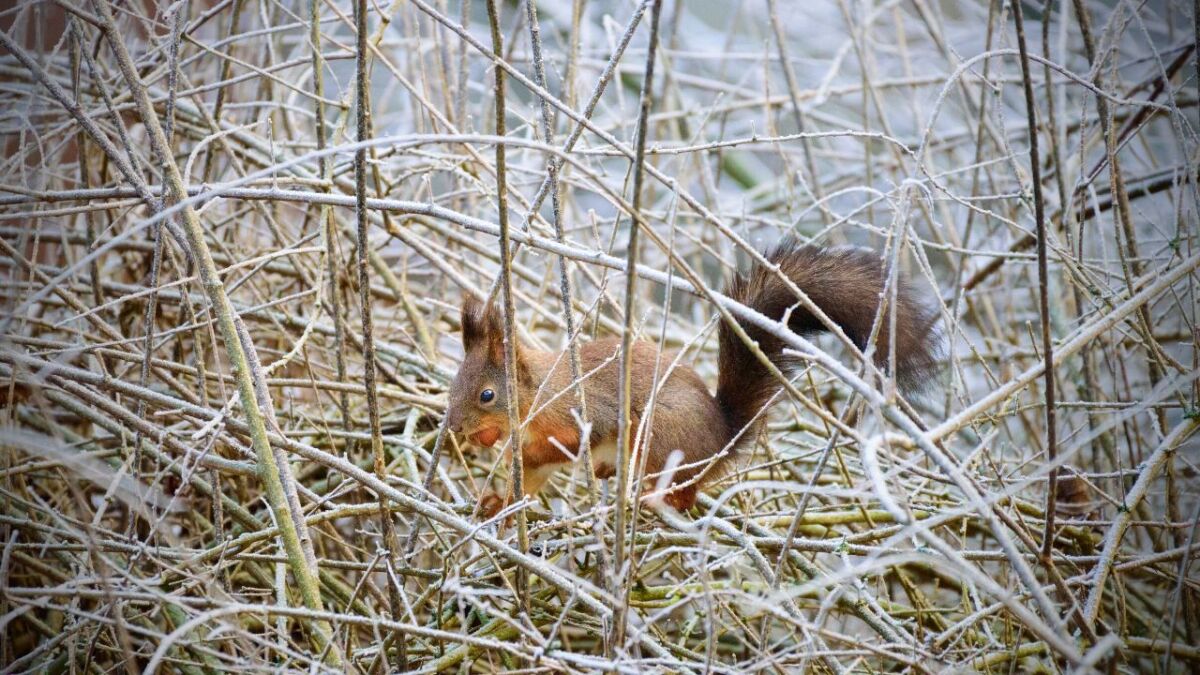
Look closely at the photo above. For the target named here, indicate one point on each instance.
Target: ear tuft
(474, 325)
(495, 334)
(483, 328)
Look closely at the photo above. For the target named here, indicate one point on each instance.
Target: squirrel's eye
(487, 395)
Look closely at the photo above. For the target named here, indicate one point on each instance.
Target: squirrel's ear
(494, 328)
(474, 322)
(483, 328)
(524, 374)
(469, 319)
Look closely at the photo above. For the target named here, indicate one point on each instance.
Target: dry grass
(221, 401)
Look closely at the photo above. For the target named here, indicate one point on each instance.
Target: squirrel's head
(478, 404)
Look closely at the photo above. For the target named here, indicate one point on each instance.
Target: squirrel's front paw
(490, 504)
(604, 471)
(682, 498)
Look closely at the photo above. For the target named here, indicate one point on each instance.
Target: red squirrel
(708, 430)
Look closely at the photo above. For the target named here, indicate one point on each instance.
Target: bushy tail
(846, 284)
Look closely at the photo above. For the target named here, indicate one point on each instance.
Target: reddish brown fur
(703, 428)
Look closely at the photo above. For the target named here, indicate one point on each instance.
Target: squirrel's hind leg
(681, 498)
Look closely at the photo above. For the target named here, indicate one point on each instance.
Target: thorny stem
(362, 263)
(177, 17)
(564, 275)
(332, 259)
(622, 575)
(1035, 169)
(516, 489)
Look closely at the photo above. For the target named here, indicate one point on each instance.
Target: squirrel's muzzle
(486, 437)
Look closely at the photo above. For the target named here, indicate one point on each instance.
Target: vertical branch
(1067, 222)
(1131, 265)
(517, 479)
(177, 17)
(226, 72)
(789, 75)
(577, 129)
(539, 73)
(276, 476)
(624, 391)
(362, 261)
(435, 458)
(326, 224)
(1043, 281)
(564, 276)
(76, 55)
